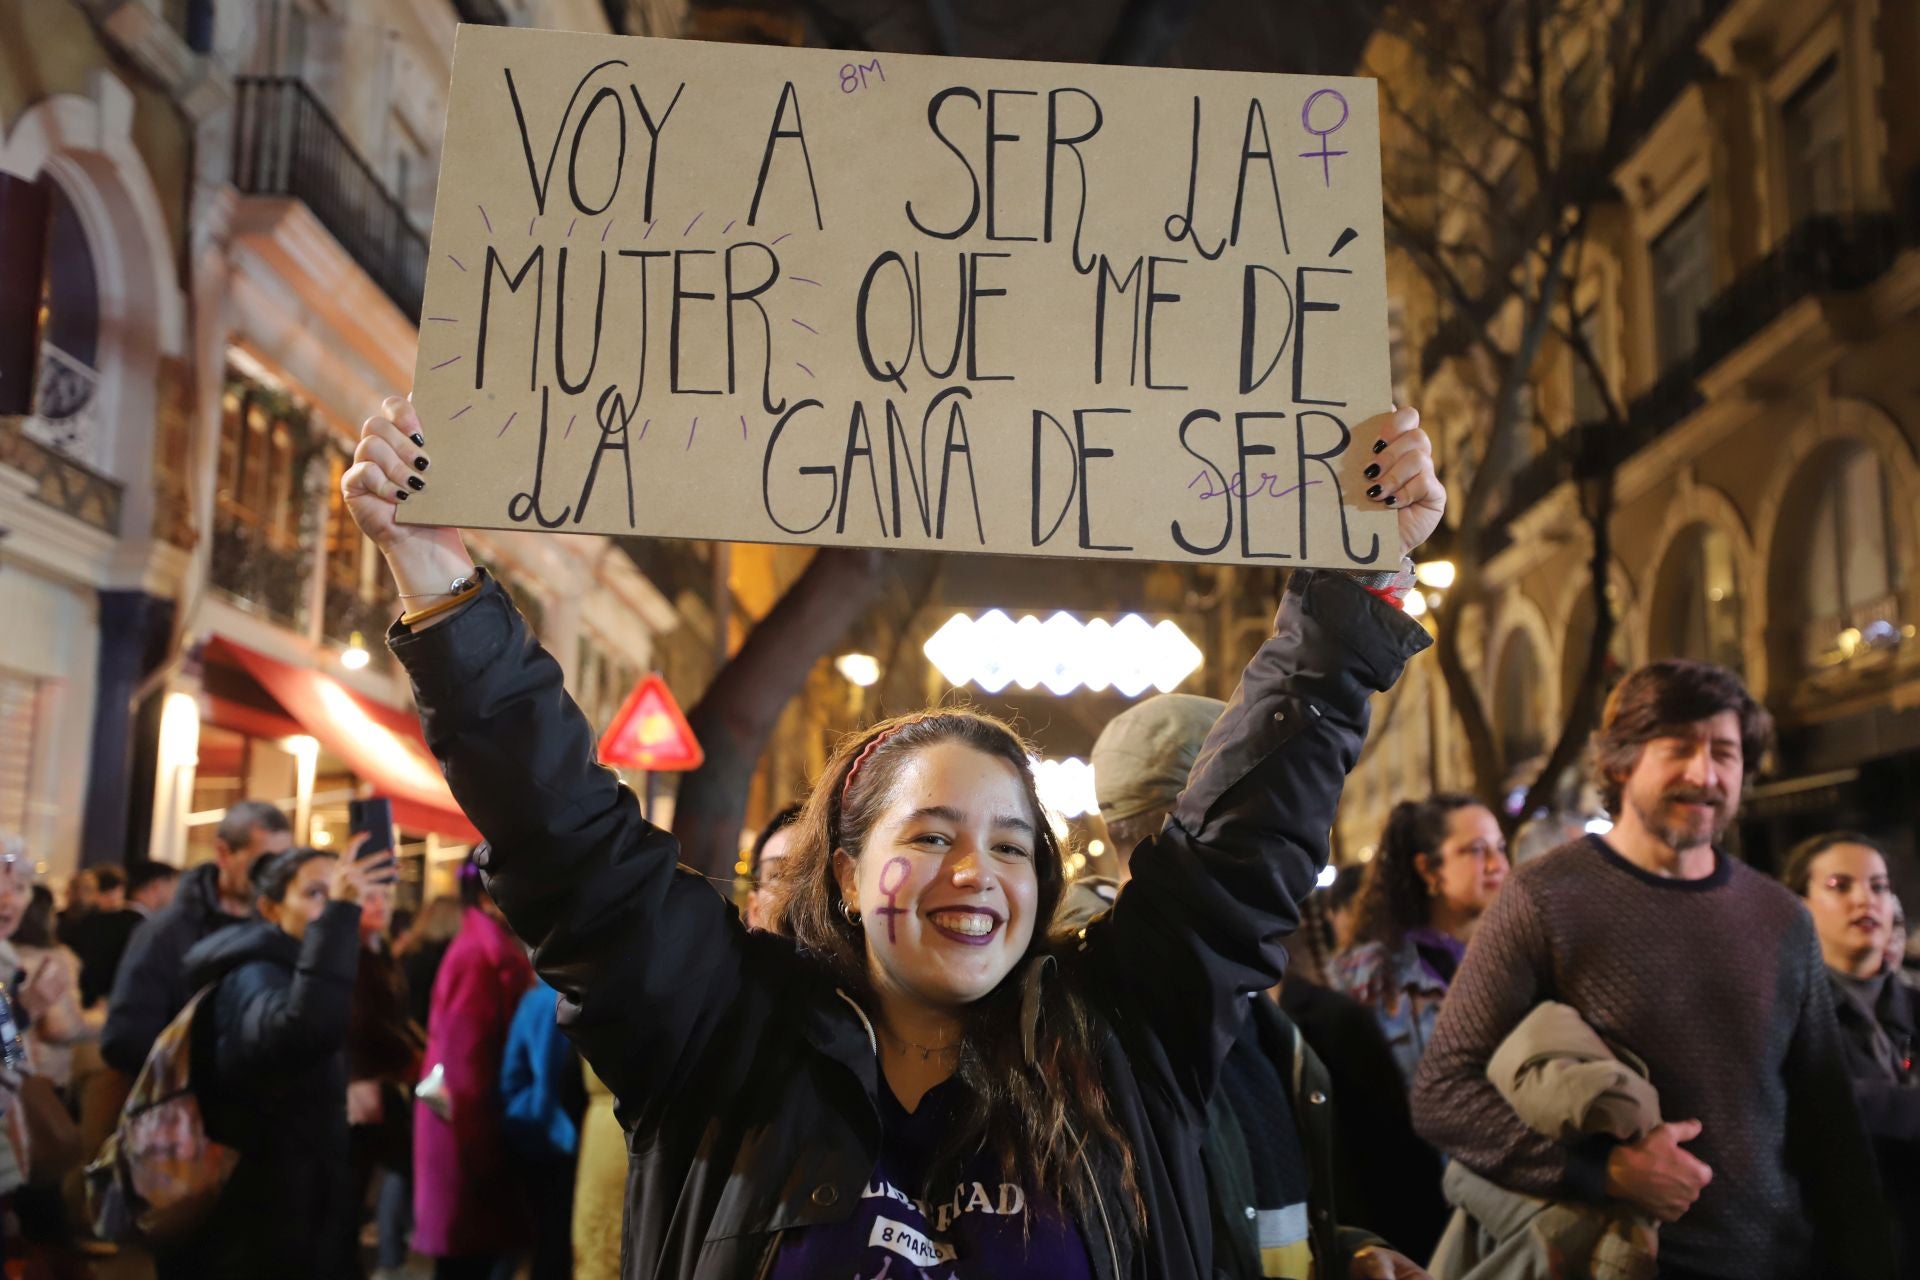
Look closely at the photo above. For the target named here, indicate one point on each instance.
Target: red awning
(381, 745)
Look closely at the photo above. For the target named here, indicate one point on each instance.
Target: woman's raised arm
(645, 954)
(1201, 923)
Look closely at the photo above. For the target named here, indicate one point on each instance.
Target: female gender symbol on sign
(893, 878)
(1323, 155)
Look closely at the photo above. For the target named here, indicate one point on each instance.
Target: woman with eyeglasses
(1439, 865)
(1842, 876)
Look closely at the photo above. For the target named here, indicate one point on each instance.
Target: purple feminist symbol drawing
(1323, 155)
(893, 878)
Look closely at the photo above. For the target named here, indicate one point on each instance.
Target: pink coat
(466, 1193)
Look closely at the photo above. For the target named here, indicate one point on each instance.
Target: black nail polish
(416, 483)
(1373, 471)
(1374, 492)
(401, 494)
(419, 464)
(418, 439)
(1379, 445)
(1391, 499)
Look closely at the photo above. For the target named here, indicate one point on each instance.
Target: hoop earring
(852, 915)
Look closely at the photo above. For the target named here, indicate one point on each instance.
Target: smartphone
(374, 815)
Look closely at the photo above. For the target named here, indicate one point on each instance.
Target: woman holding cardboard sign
(921, 1081)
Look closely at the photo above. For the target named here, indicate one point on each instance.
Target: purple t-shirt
(972, 1232)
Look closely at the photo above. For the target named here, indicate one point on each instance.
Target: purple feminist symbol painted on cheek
(893, 878)
(1323, 155)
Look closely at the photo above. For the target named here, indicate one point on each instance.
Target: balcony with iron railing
(258, 571)
(285, 143)
(1830, 253)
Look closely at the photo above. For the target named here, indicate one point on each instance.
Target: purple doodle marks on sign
(690, 430)
(893, 878)
(443, 364)
(506, 424)
(743, 426)
(853, 75)
(463, 410)
(1323, 155)
(456, 262)
(484, 218)
(1237, 487)
(804, 325)
(690, 225)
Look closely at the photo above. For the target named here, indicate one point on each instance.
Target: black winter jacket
(151, 984)
(748, 1082)
(1880, 1051)
(270, 1071)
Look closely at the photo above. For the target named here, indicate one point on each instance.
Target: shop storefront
(260, 727)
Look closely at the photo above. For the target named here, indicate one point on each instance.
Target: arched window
(1517, 698)
(66, 323)
(1697, 611)
(1849, 572)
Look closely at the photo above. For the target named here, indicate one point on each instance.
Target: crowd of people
(388, 1086)
(923, 1050)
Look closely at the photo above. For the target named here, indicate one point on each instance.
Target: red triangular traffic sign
(650, 732)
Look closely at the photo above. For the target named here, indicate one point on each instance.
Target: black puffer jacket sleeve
(1201, 923)
(272, 1025)
(647, 957)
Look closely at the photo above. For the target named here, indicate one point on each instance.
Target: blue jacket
(537, 1058)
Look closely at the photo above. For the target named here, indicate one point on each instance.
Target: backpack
(159, 1174)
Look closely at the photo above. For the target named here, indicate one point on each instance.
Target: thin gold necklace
(926, 1051)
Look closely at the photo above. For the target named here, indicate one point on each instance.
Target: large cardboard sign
(746, 293)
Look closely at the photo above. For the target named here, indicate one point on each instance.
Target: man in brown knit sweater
(1708, 971)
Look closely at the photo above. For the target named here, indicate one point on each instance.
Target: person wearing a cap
(1274, 1169)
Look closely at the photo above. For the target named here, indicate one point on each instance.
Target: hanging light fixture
(355, 655)
(1062, 653)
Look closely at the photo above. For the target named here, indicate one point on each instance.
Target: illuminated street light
(862, 669)
(1328, 874)
(1416, 605)
(1437, 574)
(1062, 654)
(356, 655)
(1065, 786)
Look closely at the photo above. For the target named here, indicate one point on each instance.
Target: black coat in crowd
(1880, 1047)
(270, 1071)
(749, 1083)
(151, 986)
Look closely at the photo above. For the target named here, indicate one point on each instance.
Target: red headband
(847, 787)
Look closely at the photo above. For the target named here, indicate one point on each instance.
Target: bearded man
(1706, 970)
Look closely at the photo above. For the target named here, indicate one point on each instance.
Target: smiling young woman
(921, 1078)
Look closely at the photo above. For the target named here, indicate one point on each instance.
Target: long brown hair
(1035, 1112)
(1394, 897)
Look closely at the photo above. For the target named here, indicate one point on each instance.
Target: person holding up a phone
(274, 1081)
